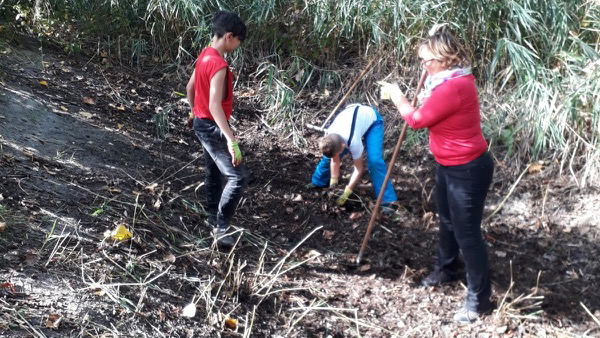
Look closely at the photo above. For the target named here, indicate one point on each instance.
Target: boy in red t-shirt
(210, 93)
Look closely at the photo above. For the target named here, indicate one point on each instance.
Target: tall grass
(536, 60)
(546, 61)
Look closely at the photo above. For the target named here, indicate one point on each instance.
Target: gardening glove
(342, 199)
(333, 182)
(190, 120)
(390, 91)
(236, 154)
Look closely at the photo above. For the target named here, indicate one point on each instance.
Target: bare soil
(80, 155)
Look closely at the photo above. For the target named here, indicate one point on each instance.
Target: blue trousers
(377, 168)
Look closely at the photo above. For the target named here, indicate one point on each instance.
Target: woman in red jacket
(450, 110)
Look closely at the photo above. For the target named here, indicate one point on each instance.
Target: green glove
(333, 182)
(236, 150)
(342, 199)
(190, 120)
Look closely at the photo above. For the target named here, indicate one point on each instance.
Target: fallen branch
(590, 313)
(511, 309)
(338, 311)
(5, 308)
(343, 99)
(512, 189)
(275, 272)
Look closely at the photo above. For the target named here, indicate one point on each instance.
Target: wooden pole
(348, 92)
(313, 127)
(387, 176)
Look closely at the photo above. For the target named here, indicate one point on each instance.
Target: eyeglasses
(423, 62)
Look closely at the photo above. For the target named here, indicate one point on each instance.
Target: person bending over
(354, 123)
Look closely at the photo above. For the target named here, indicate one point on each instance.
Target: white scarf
(433, 81)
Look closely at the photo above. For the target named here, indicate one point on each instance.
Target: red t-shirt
(452, 115)
(208, 64)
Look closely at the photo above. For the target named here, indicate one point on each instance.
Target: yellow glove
(342, 199)
(390, 91)
(333, 182)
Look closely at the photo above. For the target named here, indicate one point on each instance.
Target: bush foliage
(536, 60)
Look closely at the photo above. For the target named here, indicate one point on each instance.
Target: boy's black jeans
(222, 196)
(460, 197)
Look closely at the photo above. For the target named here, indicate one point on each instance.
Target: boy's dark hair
(225, 22)
(331, 144)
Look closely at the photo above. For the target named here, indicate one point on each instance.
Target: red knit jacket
(452, 116)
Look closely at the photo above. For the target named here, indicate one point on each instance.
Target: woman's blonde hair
(445, 48)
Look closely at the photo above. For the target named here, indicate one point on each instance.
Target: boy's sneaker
(436, 278)
(222, 237)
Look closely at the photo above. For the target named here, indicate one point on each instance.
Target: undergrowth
(536, 61)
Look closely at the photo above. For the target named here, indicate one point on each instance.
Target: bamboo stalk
(343, 99)
(349, 91)
(387, 175)
(590, 313)
(510, 191)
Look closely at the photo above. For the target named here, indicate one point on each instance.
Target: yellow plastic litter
(231, 323)
(44, 83)
(121, 233)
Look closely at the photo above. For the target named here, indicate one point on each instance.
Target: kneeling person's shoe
(312, 186)
(222, 237)
(436, 278)
(387, 209)
(467, 316)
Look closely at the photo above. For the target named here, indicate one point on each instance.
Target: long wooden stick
(348, 92)
(313, 127)
(387, 176)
